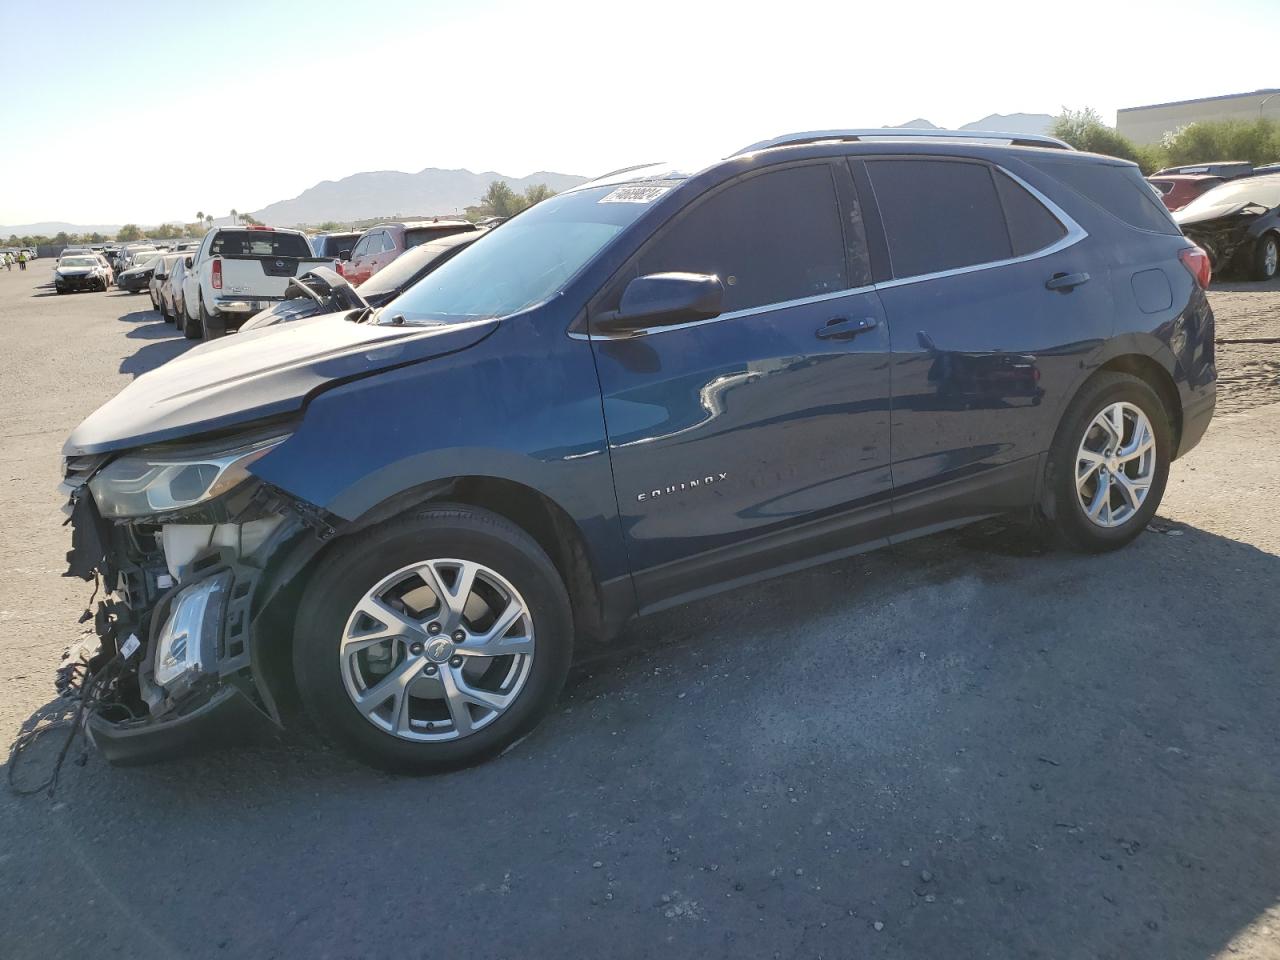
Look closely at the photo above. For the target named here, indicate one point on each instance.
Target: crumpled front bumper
(222, 693)
(228, 716)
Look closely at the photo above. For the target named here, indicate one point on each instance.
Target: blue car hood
(258, 375)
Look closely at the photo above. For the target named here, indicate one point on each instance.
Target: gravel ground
(965, 747)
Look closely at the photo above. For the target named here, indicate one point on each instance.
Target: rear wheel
(191, 328)
(433, 642)
(210, 323)
(1109, 463)
(1266, 261)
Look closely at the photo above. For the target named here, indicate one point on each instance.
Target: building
(1148, 124)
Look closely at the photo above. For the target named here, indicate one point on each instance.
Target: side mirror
(344, 254)
(187, 261)
(663, 300)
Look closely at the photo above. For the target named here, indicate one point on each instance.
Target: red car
(1179, 189)
(381, 244)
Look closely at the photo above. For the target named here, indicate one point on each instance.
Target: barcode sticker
(130, 646)
(634, 194)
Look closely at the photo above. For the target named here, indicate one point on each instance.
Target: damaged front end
(180, 538)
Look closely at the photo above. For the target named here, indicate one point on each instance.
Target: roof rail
(904, 133)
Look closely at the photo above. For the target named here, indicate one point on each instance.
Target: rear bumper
(1195, 420)
(227, 717)
(246, 306)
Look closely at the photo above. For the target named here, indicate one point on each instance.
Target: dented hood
(258, 375)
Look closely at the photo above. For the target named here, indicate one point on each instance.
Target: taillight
(1197, 263)
(217, 273)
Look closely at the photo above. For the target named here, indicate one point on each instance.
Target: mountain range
(389, 193)
(433, 191)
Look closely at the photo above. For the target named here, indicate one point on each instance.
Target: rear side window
(1120, 191)
(1031, 226)
(938, 214)
(769, 238)
(414, 238)
(259, 243)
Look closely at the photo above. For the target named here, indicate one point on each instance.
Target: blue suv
(663, 383)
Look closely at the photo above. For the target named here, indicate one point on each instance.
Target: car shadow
(969, 740)
(164, 342)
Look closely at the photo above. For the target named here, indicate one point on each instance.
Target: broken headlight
(187, 642)
(168, 479)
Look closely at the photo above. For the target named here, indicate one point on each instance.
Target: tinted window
(413, 238)
(259, 243)
(1031, 226)
(1120, 191)
(769, 238)
(938, 215)
(361, 248)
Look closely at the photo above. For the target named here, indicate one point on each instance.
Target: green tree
(1257, 141)
(233, 215)
(208, 221)
(248, 218)
(329, 226)
(199, 216)
(1084, 130)
(129, 231)
(62, 238)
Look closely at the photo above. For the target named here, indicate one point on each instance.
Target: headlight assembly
(164, 480)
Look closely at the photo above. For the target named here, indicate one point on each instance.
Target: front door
(760, 438)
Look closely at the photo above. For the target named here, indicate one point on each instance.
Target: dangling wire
(87, 695)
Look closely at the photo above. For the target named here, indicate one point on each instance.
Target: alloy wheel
(1270, 257)
(1115, 464)
(437, 650)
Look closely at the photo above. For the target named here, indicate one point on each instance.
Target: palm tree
(200, 217)
(208, 220)
(233, 215)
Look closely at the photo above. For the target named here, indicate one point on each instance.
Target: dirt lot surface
(963, 748)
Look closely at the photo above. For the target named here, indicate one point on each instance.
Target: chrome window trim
(1075, 233)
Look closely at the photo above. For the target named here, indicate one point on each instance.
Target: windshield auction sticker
(634, 194)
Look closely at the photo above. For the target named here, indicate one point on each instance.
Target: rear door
(993, 303)
(761, 437)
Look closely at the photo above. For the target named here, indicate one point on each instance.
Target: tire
(210, 324)
(1266, 257)
(1071, 523)
(190, 328)
(135, 292)
(327, 611)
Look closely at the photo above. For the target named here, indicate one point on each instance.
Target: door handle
(1066, 282)
(845, 328)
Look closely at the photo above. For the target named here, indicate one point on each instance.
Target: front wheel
(433, 642)
(1267, 258)
(1109, 463)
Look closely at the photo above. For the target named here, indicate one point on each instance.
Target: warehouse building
(1149, 124)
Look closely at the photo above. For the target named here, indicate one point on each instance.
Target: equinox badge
(684, 485)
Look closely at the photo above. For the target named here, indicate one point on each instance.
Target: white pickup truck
(238, 271)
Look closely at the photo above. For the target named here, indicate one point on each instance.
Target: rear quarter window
(1120, 191)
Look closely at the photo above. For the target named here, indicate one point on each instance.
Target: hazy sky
(140, 111)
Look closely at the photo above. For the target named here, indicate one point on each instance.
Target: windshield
(409, 264)
(1220, 200)
(78, 262)
(526, 261)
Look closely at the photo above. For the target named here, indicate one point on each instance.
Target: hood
(75, 271)
(257, 375)
(1187, 218)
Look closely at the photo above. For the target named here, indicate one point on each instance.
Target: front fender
(523, 405)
